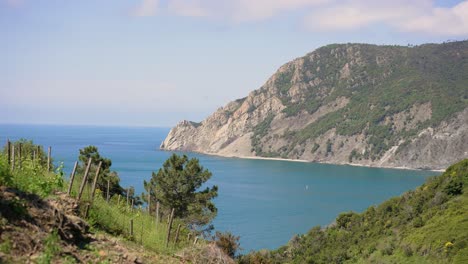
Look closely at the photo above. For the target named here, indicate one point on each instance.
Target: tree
(105, 172)
(177, 185)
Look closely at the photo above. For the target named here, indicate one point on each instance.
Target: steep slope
(426, 225)
(387, 106)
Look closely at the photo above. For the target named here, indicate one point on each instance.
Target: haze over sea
(264, 202)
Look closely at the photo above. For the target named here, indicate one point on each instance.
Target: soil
(28, 224)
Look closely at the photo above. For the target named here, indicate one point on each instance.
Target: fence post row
(39, 153)
(177, 234)
(19, 154)
(72, 177)
(9, 151)
(169, 227)
(93, 190)
(48, 158)
(128, 191)
(157, 212)
(149, 204)
(13, 157)
(85, 177)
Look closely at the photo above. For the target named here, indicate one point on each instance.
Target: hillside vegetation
(348, 103)
(426, 225)
(41, 223)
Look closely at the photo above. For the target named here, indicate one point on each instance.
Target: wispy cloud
(418, 16)
(146, 8)
(441, 21)
(190, 8)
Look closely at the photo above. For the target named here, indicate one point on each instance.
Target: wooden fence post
(19, 154)
(72, 177)
(118, 200)
(128, 192)
(132, 204)
(157, 212)
(141, 234)
(86, 210)
(93, 190)
(39, 154)
(48, 158)
(85, 177)
(177, 235)
(169, 227)
(196, 240)
(108, 187)
(9, 151)
(13, 157)
(131, 228)
(34, 158)
(189, 237)
(149, 204)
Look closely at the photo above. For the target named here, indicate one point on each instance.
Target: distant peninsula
(359, 104)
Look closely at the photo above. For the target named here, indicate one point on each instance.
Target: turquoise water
(265, 202)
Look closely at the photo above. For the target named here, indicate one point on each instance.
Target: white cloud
(418, 16)
(234, 10)
(248, 10)
(146, 8)
(190, 8)
(441, 21)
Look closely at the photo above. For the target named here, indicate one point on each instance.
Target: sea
(265, 202)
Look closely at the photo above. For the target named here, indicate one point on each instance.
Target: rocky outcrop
(385, 106)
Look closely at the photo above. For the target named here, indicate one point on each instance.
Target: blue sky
(156, 62)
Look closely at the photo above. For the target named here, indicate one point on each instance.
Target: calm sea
(264, 202)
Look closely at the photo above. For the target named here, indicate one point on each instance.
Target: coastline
(307, 161)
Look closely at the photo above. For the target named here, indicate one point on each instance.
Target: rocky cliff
(386, 106)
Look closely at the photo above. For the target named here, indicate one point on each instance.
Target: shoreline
(306, 161)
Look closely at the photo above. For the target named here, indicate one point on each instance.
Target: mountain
(385, 106)
(425, 225)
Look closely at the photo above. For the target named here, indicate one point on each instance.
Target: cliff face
(386, 106)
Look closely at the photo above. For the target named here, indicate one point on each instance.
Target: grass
(111, 217)
(114, 217)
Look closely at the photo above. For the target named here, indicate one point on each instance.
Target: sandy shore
(320, 162)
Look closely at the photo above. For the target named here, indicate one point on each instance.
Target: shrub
(227, 242)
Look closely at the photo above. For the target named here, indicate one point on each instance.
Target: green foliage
(28, 151)
(177, 185)
(51, 248)
(315, 147)
(260, 131)
(227, 242)
(6, 245)
(427, 225)
(114, 217)
(329, 146)
(105, 174)
(283, 81)
(382, 81)
(30, 176)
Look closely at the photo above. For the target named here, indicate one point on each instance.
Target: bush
(227, 242)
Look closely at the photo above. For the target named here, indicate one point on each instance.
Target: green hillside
(426, 225)
(379, 81)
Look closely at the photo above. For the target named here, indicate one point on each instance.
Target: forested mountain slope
(389, 106)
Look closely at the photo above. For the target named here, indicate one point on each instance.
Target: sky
(157, 62)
